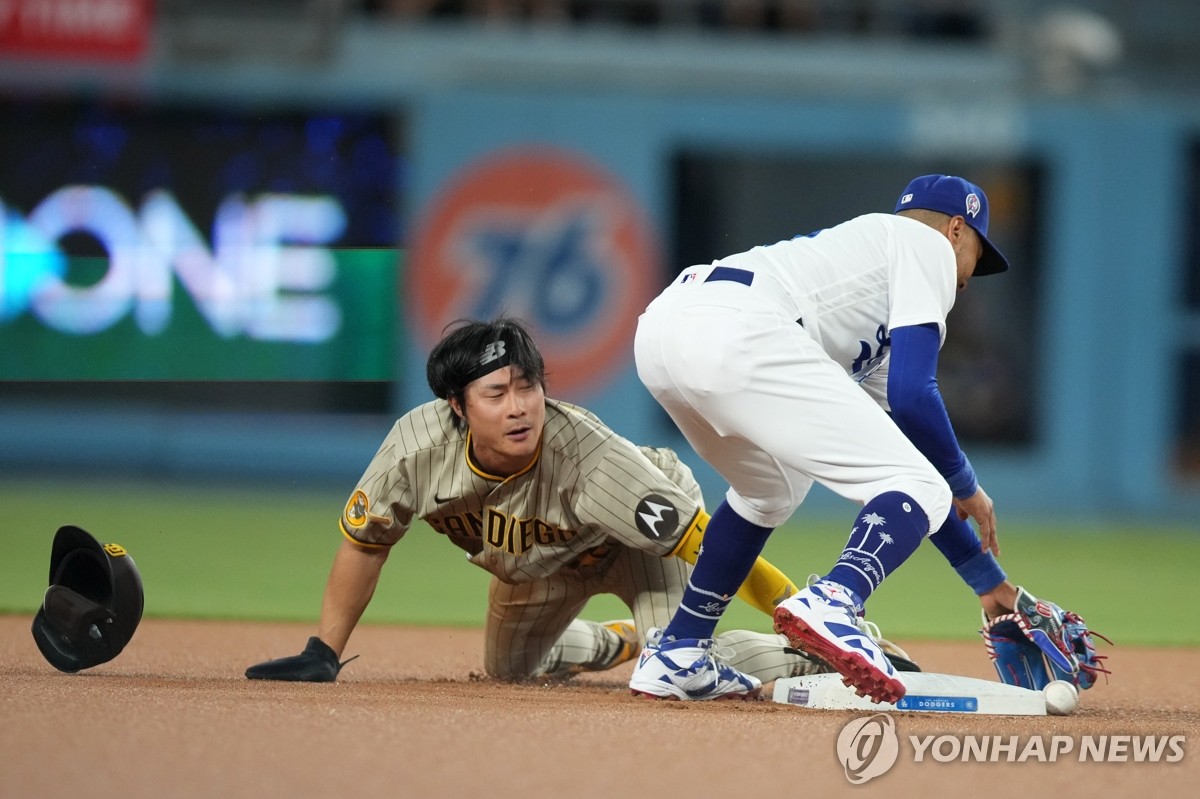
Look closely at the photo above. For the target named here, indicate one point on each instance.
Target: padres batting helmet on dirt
(93, 604)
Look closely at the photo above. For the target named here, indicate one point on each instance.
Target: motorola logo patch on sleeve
(656, 517)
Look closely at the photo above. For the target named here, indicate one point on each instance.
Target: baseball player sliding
(553, 503)
(781, 366)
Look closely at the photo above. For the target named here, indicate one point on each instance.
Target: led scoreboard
(183, 244)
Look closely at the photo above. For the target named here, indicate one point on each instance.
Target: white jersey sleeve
(922, 277)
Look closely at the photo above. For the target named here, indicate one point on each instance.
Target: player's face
(506, 413)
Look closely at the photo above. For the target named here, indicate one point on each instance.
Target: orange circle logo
(549, 237)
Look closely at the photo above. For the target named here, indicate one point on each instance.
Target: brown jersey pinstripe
(587, 485)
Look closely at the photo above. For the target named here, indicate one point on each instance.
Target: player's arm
(351, 583)
(765, 586)
(626, 465)
(348, 591)
(917, 408)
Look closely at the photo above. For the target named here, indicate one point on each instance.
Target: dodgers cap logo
(954, 196)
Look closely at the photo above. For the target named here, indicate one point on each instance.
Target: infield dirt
(414, 717)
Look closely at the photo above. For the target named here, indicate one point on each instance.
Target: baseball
(1061, 698)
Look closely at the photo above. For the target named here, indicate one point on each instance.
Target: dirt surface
(413, 717)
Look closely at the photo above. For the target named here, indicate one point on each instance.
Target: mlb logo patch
(906, 199)
(973, 204)
(688, 277)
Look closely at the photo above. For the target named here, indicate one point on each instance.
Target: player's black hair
(473, 348)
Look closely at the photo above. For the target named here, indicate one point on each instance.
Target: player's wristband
(960, 545)
(963, 483)
(981, 572)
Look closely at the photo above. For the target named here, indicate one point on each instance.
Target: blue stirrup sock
(887, 531)
(730, 546)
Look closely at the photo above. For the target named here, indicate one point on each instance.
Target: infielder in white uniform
(781, 366)
(553, 503)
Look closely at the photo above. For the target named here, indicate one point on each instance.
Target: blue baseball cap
(954, 196)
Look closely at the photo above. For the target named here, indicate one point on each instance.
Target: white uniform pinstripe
(592, 514)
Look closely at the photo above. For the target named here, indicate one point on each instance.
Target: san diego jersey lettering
(587, 485)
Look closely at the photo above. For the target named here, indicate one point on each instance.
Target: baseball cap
(954, 196)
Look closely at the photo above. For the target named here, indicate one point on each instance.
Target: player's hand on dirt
(317, 663)
(978, 506)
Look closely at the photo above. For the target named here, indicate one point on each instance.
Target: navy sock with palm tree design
(887, 531)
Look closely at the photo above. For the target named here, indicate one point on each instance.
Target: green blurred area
(359, 347)
(263, 552)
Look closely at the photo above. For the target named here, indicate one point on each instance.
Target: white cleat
(821, 620)
(688, 669)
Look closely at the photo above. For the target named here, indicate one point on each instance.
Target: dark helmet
(93, 604)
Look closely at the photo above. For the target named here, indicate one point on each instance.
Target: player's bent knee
(931, 494)
(764, 513)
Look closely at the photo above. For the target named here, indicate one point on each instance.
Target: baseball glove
(317, 663)
(1039, 642)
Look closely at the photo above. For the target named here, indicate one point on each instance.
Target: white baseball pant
(760, 400)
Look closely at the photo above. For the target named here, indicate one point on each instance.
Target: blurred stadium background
(230, 231)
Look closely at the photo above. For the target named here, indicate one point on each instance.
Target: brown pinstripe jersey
(587, 485)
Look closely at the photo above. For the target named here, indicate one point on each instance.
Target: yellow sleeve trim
(363, 544)
(688, 547)
(765, 587)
